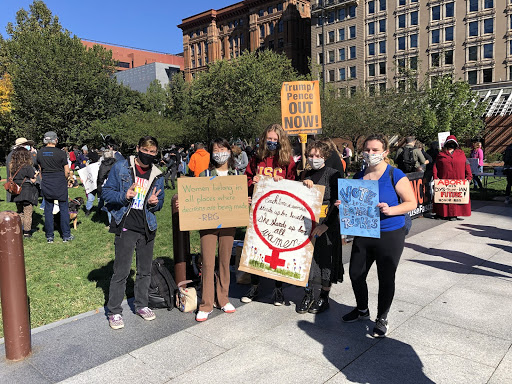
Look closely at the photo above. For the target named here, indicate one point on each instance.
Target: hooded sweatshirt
(199, 161)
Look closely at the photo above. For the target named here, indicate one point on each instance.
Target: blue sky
(148, 24)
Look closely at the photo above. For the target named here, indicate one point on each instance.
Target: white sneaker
(202, 315)
(228, 308)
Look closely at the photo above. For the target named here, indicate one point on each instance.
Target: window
(435, 59)
(382, 87)
(510, 72)
(319, 21)
(401, 43)
(473, 28)
(472, 77)
(371, 7)
(401, 21)
(488, 4)
(448, 58)
(413, 63)
(371, 28)
(262, 30)
(331, 75)
(331, 56)
(352, 50)
(488, 25)
(261, 12)
(382, 47)
(449, 10)
(193, 63)
(382, 68)
(192, 50)
(320, 58)
(371, 70)
(382, 5)
(279, 7)
(510, 25)
(280, 43)
(330, 17)
(371, 49)
(199, 62)
(382, 25)
(401, 2)
(352, 11)
(341, 34)
(280, 26)
(413, 41)
(320, 39)
(436, 12)
(353, 91)
(473, 7)
(371, 89)
(401, 63)
(473, 53)
(331, 37)
(414, 18)
(341, 52)
(270, 10)
(510, 48)
(341, 14)
(352, 32)
(352, 72)
(448, 34)
(271, 28)
(401, 85)
(487, 75)
(488, 51)
(342, 73)
(123, 64)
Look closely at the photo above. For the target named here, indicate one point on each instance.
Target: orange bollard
(181, 245)
(13, 288)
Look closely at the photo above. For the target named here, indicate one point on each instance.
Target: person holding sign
(134, 191)
(273, 158)
(451, 163)
(326, 266)
(222, 163)
(386, 250)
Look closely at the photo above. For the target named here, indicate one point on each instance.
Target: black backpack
(405, 160)
(162, 290)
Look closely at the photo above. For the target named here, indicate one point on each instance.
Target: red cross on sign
(274, 260)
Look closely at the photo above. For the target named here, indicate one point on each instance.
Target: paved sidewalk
(450, 323)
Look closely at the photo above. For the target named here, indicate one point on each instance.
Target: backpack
(162, 289)
(408, 220)
(405, 160)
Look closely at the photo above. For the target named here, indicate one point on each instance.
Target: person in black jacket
(105, 167)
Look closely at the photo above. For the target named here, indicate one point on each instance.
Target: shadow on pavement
(102, 277)
(487, 231)
(460, 262)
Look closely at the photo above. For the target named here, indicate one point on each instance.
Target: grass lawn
(66, 279)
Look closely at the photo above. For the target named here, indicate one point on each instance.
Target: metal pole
(181, 245)
(13, 288)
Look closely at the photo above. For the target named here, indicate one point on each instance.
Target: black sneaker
(278, 296)
(321, 304)
(355, 315)
(381, 328)
(306, 303)
(251, 294)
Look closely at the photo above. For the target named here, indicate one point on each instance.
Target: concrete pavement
(450, 323)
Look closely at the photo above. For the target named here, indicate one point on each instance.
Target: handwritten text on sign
(300, 107)
(213, 202)
(359, 214)
(277, 243)
(451, 191)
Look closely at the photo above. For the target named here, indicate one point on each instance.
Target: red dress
(452, 166)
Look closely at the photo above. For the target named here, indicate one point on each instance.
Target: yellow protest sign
(300, 107)
(213, 202)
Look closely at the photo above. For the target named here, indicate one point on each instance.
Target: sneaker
(252, 294)
(49, 240)
(115, 321)
(67, 239)
(278, 296)
(381, 328)
(228, 308)
(146, 313)
(355, 315)
(27, 234)
(306, 302)
(87, 212)
(202, 315)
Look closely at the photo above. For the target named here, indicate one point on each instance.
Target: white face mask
(373, 159)
(221, 157)
(316, 163)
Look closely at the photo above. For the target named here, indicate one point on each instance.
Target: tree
(59, 84)
(5, 97)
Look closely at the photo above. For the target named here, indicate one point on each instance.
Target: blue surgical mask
(272, 145)
(27, 147)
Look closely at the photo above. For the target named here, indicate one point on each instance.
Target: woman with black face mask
(451, 163)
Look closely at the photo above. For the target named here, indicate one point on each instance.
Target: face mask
(27, 147)
(451, 145)
(316, 163)
(145, 158)
(272, 145)
(373, 159)
(221, 157)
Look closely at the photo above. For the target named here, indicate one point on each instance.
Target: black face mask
(451, 146)
(146, 159)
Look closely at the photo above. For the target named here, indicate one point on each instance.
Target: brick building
(282, 26)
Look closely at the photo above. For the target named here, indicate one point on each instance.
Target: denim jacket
(120, 179)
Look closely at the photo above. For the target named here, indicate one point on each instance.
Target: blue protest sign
(359, 215)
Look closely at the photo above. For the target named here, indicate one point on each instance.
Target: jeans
(90, 201)
(64, 219)
(125, 244)
(171, 173)
(476, 179)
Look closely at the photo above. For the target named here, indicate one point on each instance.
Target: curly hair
(20, 158)
(323, 149)
(284, 152)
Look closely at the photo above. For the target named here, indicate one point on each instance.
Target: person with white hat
(20, 142)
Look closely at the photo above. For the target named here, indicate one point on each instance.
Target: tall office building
(382, 44)
(282, 26)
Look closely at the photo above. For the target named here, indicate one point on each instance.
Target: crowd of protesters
(131, 190)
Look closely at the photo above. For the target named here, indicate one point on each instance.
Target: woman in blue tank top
(387, 250)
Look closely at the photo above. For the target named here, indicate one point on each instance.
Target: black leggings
(386, 252)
